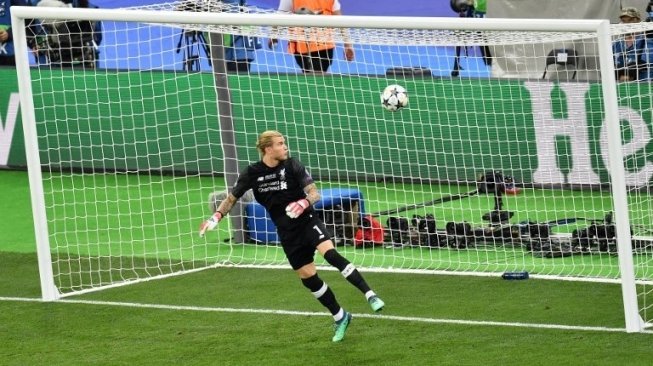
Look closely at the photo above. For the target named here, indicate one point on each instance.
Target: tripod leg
(205, 46)
(498, 201)
(190, 60)
(487, 56)
(456, 62)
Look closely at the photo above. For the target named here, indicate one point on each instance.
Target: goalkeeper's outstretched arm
(224, 208)
(227, 204)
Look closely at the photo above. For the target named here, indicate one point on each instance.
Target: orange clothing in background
(317, 39)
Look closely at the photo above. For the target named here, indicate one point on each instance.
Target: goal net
(506, 158)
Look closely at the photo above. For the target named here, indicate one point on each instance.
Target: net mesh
(383, 36)
(132, 147)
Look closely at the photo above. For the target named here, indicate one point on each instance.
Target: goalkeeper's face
(278, 150)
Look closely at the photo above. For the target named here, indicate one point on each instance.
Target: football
(394, 97)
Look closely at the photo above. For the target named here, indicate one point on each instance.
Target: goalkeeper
(287, 191)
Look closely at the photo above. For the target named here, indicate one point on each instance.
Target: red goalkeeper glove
(211, 223)
(296, 208)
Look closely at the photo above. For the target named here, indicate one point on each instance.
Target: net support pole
(634, 322)
(227, 134)
(48, 290)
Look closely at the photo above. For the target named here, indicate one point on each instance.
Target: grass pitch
(239, 316)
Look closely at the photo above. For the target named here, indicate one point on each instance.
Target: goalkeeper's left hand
(295, 209)
(211, 223)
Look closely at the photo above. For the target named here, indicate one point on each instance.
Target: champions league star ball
(394, 97)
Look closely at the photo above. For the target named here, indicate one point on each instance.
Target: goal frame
(601, 28)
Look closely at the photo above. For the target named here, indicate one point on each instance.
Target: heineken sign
(575, 127)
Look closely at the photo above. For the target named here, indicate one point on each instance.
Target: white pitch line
(310, 313)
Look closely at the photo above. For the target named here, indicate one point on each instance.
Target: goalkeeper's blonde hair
(265, 140)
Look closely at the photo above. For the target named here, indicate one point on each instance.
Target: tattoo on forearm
(227, 204)
(312, 194)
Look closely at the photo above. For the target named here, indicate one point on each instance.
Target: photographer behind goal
(633, 52)
(72, 43)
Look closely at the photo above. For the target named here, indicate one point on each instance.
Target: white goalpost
(530, 158)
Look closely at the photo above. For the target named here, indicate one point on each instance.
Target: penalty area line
(312, 313)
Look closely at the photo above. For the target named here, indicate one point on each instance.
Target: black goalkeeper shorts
(299, 244)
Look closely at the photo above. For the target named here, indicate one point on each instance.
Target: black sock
(322, 293)
(347, 269)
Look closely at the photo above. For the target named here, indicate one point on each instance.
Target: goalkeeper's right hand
(211, 223)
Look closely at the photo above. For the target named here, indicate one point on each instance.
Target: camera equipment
(600, 236)
(459, 234)
(493, 182)
(461, 6)
(427, 229)
(70, 43)
(465, 9)
(398, 229)
(193, 43)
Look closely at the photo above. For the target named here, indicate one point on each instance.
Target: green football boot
(341, 327)
(376, 303)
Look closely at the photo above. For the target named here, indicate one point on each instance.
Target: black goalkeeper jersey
(275, 188)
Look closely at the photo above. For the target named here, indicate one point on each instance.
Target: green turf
(64, 333)
(83, 334)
